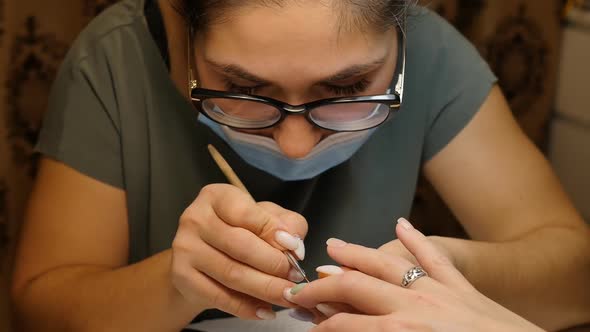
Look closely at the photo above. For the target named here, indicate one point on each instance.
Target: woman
(131, 227)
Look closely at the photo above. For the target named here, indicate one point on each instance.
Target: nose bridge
(296, 136)
(295, 109)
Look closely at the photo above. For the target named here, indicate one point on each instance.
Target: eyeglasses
(244, 111)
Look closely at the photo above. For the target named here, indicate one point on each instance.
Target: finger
(316, 316)
(290, 221)
(238, 209)
(330, 309)
(238, 276)
(329, 270)
(244, 246)
(437, 264)
(199, 289)
(346, 322)
(360, 291)
(396, 248)
(370, 261)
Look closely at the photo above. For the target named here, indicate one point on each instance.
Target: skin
(72, 278)
(375, 302)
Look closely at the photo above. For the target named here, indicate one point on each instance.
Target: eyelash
(349, 90)
(248, 90)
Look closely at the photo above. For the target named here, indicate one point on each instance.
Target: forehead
(303, 36)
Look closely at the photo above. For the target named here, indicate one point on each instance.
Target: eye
(349, 90)
(236, 88)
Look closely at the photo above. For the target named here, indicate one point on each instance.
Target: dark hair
(379, 15)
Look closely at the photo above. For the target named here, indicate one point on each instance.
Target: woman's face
(295, 54)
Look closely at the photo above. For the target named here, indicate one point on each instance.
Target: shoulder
(439, 56)
(433, 41)
(115, 26)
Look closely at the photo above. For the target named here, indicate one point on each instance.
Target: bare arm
(531, 249)
(71, 270)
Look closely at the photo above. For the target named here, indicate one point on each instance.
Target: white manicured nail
(287, 294)
(405, 223)
(295, 276)
(326, 309)
(336, 243)
(287, 240)
(300, 251)
(266, 314)
(328, 270)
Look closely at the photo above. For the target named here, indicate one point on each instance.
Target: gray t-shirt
(116, 116)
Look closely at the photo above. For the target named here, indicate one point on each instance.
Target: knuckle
(189, 216)
(269, 289)
(209, 190)
(238, 243)
(298, 220)
(385, 270)
(233, 273)
(273, 290)
(242, 208)
(391, 248)
(265, 227)
(291, 217)
(236, 307)
(194, 216)
(183, 245)
(244, 256)
(279, 266)
(219, 299)
(269, 206)
(441, 260)
(258, 219)
(350, 279)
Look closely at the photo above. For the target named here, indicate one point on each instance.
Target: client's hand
(369, 295)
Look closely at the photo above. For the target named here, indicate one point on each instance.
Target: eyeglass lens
(249, 114)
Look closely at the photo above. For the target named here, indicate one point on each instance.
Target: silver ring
(412, 275)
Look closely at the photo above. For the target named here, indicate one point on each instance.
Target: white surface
(573, 92)
(282, 323)
(569, 152)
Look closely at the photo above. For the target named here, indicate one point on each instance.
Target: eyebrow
(352, 71)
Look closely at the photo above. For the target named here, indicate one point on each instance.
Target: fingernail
(287, 294)
(266, 314)
(301, 314)
(300, 251)
(326, 309)
(336, 243)
(295, 276)
(297, 288)
(405, 223)
(287, 240)
(328, 270)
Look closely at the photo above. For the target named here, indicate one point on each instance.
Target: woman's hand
(228, 252)
(374, 300)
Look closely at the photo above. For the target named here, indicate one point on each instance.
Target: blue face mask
(264, 153)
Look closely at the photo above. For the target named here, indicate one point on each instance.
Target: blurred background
(540, 50)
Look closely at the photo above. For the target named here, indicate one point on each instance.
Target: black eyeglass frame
(393, 100)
